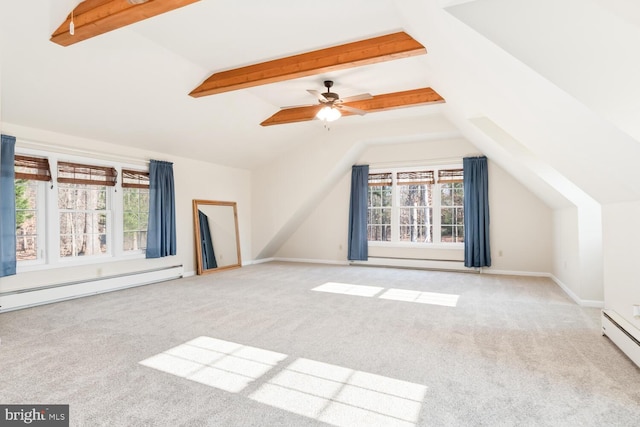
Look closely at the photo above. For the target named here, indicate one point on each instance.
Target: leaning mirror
(216, 235)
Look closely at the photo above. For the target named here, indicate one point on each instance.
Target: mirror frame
(196, 225)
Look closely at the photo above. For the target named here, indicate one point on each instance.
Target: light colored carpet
(513, 351)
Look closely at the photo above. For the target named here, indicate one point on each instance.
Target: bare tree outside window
(83, 219)
(416, 214)
(136, 218)
(26, 219)
(452, 212)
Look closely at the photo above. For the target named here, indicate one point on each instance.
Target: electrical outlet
(636, 311)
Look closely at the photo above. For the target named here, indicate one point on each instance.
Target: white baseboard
(514, 273)
(311, 261)
(581, 302)
(258, 261)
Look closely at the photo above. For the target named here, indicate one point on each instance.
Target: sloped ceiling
(585, 47)
(496, 66)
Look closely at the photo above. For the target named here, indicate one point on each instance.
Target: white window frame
(49, 215)
(436, 207)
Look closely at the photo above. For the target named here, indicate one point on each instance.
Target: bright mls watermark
(34, 415)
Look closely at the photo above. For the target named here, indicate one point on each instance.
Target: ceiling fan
(356, 105)
(331, 104)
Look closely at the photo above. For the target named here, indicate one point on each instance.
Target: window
(79, 216)
(30, 174)
(135, 188)
(413, 207)
(84, 208)
(379, 221)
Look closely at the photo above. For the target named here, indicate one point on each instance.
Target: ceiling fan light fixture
(328, 114)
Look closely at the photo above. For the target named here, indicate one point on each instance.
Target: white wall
(521, 224)
(566, 259)
(322, 237)
(193, 180)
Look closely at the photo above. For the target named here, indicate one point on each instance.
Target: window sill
(30, 266)
(439, 246)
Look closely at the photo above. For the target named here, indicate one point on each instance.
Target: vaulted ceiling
(128, 81)
(551, 99)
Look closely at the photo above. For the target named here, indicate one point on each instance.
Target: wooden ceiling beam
(387, 101)
(364, 52)
(94, 17)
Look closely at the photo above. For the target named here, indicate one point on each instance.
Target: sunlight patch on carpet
(220, 364)
(448, 300)
(342, 396)
(348, 289)
(329, 393)
(408, 295)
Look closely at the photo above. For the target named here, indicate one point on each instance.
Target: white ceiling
(130, 86)
(547, 89)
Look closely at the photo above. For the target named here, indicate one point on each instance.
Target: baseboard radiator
(64, 291)
(622, 333)
(429, 264)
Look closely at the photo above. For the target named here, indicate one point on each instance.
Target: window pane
(386, 196)
(446, 234)
(83, 219)
(415, 213)
(446, 216)
(452, 212)
(416, 224)
(446, 198)
(66, 197)
(454, 234)
(135, 218)
(415, 195)
(26, 192)
(458, 194)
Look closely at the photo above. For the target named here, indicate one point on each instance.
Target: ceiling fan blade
(390, 101)
(356, 97)
(293, 115)
(351, 109)
(288, 107)
(318, 95)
